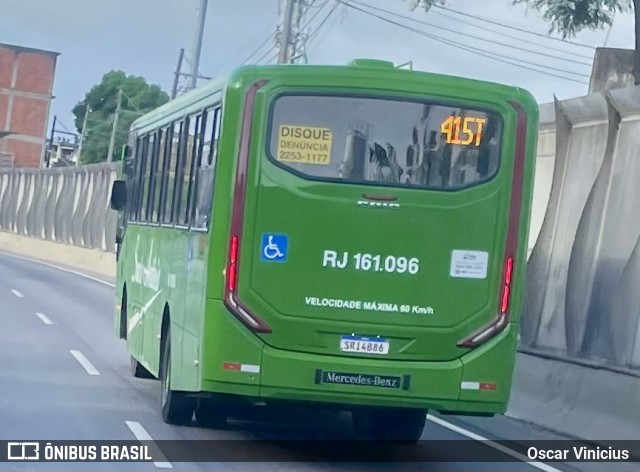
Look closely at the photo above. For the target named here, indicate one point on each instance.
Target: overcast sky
(143, 37)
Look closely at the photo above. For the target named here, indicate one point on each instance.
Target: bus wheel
(404, 425)
(211, 414)
(177, 407)
(139, 371)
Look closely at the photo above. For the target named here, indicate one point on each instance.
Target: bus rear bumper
(477, 383)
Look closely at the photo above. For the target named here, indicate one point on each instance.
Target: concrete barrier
(90, 261)
(581, 401)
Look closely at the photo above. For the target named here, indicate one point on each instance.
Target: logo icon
(23, 451)
(274, 247)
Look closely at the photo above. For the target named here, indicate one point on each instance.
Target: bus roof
(206, 95)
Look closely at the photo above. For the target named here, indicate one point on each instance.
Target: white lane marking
(84, 362)
(45, 319)
(63, 269)
(16, 293)
(492, 444)
(141, 434)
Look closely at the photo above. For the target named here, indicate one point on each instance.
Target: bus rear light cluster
(231, 300)
(251, 321)
(499, 322)
(231, 268)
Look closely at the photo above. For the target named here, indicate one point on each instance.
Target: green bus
(349, 237)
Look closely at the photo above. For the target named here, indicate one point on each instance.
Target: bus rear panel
(375, 247)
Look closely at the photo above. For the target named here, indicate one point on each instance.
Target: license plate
(364, 345)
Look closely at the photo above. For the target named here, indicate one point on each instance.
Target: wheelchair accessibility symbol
(274, 247)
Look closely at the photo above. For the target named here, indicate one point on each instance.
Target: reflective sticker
(235, 366)
(478, 386)
(470, 385)
(274, 247)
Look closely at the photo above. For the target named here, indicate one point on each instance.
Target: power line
(522, 30)
(506, 35)
(474, 50)
(255, 51)
(479, 38)
(324, 21)
(315, 15)
(265, 55)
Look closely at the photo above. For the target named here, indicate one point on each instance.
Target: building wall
(26, 86)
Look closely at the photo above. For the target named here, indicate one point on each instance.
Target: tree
(569, 17)
(138, 98)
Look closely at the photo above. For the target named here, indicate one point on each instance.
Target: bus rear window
(385, 141)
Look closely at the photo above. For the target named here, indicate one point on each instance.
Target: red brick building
(26, 86)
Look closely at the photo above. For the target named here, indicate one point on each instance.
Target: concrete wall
(26, 86)
(68, 205)
(582, 276)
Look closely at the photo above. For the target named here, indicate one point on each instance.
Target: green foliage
(139, 98)
(569, 17)
(426, 4)
(566, 17)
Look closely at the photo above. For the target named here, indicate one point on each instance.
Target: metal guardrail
(68, 205)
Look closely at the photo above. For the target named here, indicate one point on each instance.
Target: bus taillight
(506, 289)
(500, 321)
(231, 268)
(231, 300)
(250, 320)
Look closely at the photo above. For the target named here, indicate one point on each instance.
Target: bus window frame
(185, 218)
(481, 107)
(215, 112)
(155, 154)
(164, 176)
(179, 127)
(143, 145)
(177, 174)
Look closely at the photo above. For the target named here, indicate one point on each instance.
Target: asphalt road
(65, 376)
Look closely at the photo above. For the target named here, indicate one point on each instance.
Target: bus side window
(168, 217)
(163, 172)
(190, 169)
(140, 165)
(151, 208)
(206, 172)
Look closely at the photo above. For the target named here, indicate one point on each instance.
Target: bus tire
(139, 371)
(211, 414)
(402, 425)
(177, 407)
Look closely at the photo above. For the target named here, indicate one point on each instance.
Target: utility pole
(286, 34)
(84, 131)
(197, 44)
(176, 80)
(112, 143)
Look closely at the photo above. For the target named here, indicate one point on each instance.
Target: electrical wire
(506, 35)
(495, 56)
(479, 38)
(266, 54)
(255, 51)
(324, 21)
(522, 30)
